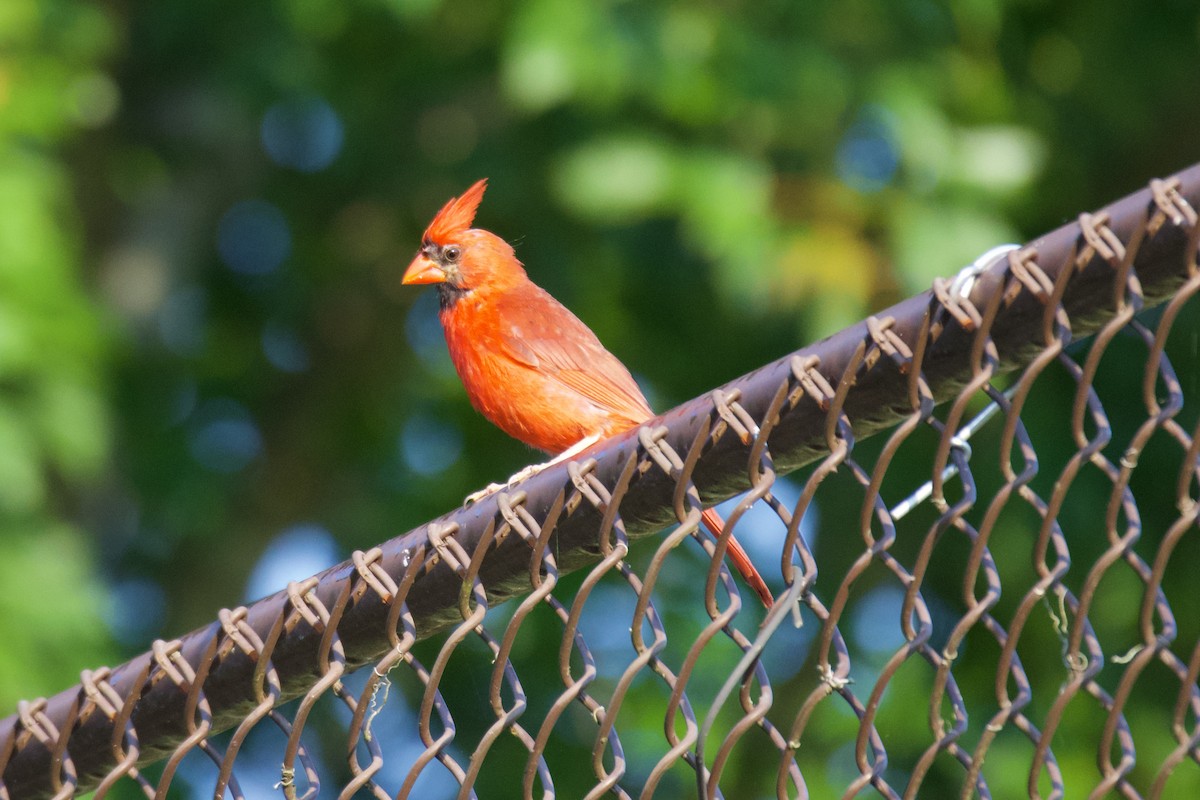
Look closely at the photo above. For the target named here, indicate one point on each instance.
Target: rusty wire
(920, 371)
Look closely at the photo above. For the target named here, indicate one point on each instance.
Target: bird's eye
(451, 253)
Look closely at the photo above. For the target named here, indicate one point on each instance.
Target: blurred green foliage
(56, 355)
(184, 375)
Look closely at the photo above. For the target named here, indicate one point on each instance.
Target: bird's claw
(492, 488)
(531, 470)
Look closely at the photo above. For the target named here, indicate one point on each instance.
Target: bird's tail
(739, 557)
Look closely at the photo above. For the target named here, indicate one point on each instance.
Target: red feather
(528, 364)
(457, 215)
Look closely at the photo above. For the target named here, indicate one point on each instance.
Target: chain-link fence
(1027, 623)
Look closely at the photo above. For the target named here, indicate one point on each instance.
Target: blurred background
(211, 379)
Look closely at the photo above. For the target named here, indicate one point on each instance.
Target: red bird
(528, 364)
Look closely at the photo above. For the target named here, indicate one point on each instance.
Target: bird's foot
(531, 470)
(492, 488)
(475, 497)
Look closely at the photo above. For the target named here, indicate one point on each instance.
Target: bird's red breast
(539, 374)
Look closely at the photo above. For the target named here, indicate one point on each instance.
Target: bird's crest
(457, 215)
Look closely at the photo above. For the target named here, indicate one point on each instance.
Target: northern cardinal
(528, 364)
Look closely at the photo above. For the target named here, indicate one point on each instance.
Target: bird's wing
(542, 334)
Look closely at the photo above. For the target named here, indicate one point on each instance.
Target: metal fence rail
(1033, 552)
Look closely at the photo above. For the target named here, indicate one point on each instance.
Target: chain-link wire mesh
(1030, 628)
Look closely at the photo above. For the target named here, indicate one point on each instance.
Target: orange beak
(423, 270)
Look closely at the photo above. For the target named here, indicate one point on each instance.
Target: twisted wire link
(241, 637)
(730, 418)
(448, 549)
(1023, 265)
(1128, 300)
(951, 447)
(544, 574)
(750, 671)
(543, 579)
(835, 673)
(613, 537)
(169, 664)
(374, 579)
(101, 697)
(435, 748)
(917, 640)
(1078, 633)
(922, 403)
(504, 674)
(310, 611)
(981, 562)
(1155, 644)
(36, 724)
(870, 760)
(370, 576)
(1174, 208)
(400, 618)
(572, 642)
(687, 511)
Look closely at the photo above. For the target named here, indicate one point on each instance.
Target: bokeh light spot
(304, 134)
(134, 280)
(876, 620)
(181, 320)
(283, 348)
(760, 530)
(135, 610)
(298, 552)
(538, 75)
(182, 402)
(605, 626)
(447, 134)
(225, 438)
(366, 232)
(253, 237)
(1055, 63)
(429, 446)
(424, 332)
(868, 155)
(616, 178)
(93, 99)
